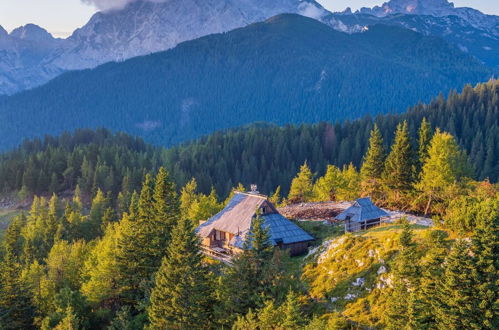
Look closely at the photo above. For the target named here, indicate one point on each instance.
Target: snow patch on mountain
(437, 8)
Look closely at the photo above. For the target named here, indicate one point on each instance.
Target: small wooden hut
(225, 233)
(362, 215)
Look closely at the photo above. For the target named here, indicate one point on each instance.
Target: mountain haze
(289, 69)
(31, 57)
(141, 27)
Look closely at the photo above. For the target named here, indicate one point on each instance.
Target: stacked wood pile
(319, 211)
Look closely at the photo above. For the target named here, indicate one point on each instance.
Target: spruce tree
(16, 307)
(180, 298)
(398, 174)
(405, 279)
(457, 304)
(144, 234)
(301, 186)
(374, 159)
(136, 262)
(188, 196)
(166, 206)
(250, 281)
(97, 210)
(291, 311)
(485, 248)
(425, 135)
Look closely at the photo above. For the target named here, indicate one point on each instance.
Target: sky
(61, 17)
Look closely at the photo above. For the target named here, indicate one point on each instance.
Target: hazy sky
(61, 17)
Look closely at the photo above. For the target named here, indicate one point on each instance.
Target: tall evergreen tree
(485, 248)
(399, 167)
(291, 310)
(136, 262)
(16, 308)
(457, 307)
(406, 275)
(97, 210)
(301, 186)
(425, 135)
(249, 282)
(180, 298)
(374, 159)
(144, 234)
(444, 166)
(331, 185)
(166, 205)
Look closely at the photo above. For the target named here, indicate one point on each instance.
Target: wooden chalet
(362, 215)
(224, 234)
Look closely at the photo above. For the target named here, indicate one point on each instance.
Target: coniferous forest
(109, 239)
(266, 155)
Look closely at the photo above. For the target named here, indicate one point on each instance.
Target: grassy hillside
(350, 273)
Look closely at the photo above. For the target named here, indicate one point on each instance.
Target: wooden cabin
(362, 215)
(224, 234)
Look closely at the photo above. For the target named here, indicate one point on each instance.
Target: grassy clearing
(321, 231)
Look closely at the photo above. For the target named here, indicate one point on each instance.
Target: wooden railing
(218, 253)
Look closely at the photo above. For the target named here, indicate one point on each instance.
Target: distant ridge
(289, 69)
(30, 56)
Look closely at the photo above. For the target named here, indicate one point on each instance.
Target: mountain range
(288, 69)
(30, 56)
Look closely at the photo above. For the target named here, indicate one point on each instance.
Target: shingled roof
(362, 210)
(236, 218)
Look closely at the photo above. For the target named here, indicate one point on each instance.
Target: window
(217, 235)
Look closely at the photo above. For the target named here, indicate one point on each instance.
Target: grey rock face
(30, 56)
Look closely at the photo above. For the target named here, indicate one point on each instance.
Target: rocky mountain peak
(436, 8)
(31, 32)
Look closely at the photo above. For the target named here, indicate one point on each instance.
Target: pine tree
(69, 322)
(250, 281)
(188, 196)
(301, 186)
(136, 263)
(12, 240)
(108, 217)
(485, 248)
(97, 210)
(292, 316)
(181, 295)
(166, 207)
(425, 135)
(144, 234)
(276, 196)
(374, 159)
(431, 273)
(405, 278)
(457, 303)
(16, 308)
(398, 174)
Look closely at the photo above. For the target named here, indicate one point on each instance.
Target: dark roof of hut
(362, 210)
(236, 218)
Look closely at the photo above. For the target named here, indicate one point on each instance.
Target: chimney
(254, 189)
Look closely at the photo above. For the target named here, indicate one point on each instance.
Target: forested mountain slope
(270, 156)
(266, 155)
(289, 69)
